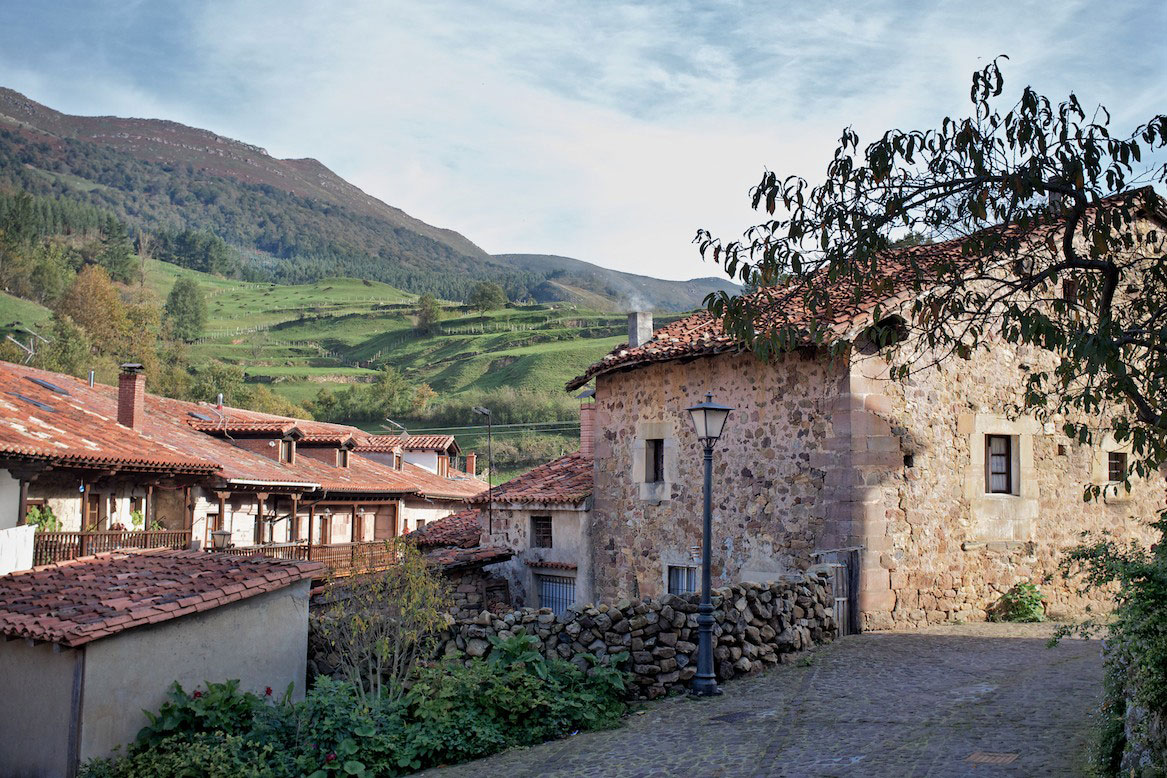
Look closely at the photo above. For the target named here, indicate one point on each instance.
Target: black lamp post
(489, 470)
(708, 420)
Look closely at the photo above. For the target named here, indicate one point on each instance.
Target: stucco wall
(36, 686)
(768, 510)
(262, 641)
(415, 509)
(571, 544)
(9, 500)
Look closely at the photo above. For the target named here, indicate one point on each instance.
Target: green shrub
(451, 713)
(43, 518)
(1024, 603)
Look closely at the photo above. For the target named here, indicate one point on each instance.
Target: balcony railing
(341, 558)
(49, 547)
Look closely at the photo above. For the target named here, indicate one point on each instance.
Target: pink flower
(330, 758)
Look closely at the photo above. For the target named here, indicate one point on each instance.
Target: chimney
(472, 463)
(131, 396)
(587, 429)
(639, 328)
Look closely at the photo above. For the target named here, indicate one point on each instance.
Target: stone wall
(936, 546)
(768, 513)
(758, 626)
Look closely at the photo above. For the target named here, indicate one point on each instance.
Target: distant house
(930, 497)
(544, 516)
(102, 457)
(92, 642)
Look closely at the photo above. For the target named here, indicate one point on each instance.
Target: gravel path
(878, 704)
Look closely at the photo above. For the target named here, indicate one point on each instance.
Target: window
(1116, 465)
(396, 461)
(541, 532)
(287, 451)
(342, 457)
(999, 464)
(443, 465)
(682, 580)
(555, 592)
(420, 524)
(654, 460)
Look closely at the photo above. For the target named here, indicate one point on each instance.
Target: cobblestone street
(884, 704)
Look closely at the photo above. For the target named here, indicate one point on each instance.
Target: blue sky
(601, 130)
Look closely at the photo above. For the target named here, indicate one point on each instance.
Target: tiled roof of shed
(458, 529)
(454, 558)
(567, 479)
(388, 443)
(73, 603)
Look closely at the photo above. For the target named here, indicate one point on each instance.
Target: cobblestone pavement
(878, 704)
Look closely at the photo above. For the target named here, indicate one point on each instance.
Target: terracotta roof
(901, 272)
(546, 565)
(74, 425)
(460, 529)
(385, 443)
(454, 558)
(73, 603)
(229, 426)
(564, 480)
(457, 485)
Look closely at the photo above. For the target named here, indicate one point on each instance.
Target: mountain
(292, 219)
(575, 280)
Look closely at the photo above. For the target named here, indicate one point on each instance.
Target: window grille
(654, 460)
(541, 532)
(999, 461)
(555, 592)
(682, 580)
(1116, 462)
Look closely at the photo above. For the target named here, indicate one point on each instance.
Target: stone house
(90, 643)
(544, 517)
(932, 498)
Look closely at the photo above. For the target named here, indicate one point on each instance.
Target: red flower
(267, 692)
(197, 694)
(330, 758)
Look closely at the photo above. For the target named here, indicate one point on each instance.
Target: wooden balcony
(342, 559)
(49, 547)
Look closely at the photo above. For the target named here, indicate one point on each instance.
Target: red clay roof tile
(567, 479)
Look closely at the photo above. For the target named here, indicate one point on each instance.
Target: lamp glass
(709, 418)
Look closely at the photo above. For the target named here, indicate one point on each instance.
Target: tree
(215, 378)
(68, 350)
(1044, 203)
(117, 251)
(382, 623)
(93, 302)
(186, 309)
(429, 313)
(487, 296)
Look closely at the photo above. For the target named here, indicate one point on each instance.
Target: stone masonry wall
(936, 547)
(769, 515)
(757, 626)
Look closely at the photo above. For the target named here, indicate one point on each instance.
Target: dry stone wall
(757, 626)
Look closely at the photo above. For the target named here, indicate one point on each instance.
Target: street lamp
(489, 470)
(708, 421)
(220, 538)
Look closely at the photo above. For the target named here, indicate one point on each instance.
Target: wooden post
(294, 521)
(311, 527)
(23, 504)
(260, 498)
(358, 533)
(148, 517)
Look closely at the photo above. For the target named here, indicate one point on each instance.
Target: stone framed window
(541, 532)
(999, 465)
(654, 460)
(1116, 466)
(682, 579)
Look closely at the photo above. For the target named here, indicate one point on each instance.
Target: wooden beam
(22, 504)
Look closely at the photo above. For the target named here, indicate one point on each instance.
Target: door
(385, 523)
(844, 566)
(92, 511)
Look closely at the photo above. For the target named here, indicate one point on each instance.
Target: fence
(49, 547)
(341, 559)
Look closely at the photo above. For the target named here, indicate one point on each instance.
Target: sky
(605, 131)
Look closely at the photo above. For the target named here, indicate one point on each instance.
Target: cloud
(605, 131)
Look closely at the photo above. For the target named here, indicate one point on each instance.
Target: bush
(452, 712)
(1024, 603)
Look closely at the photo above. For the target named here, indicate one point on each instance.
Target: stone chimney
(131, 396)
(587, 429)
(472, 463)
(639, 328)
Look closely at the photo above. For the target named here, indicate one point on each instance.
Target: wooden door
(385, 524)
(92, 512)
